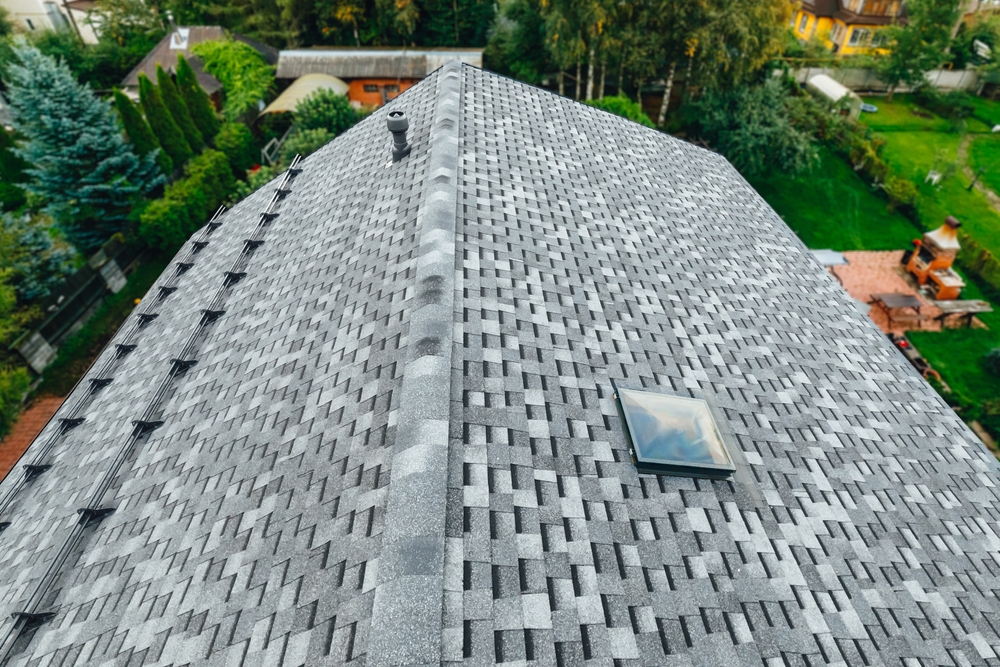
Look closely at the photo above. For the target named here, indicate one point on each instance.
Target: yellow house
(848, 27)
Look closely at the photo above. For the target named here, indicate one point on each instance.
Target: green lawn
(834, 208)
(987, 110)
(985, 152)
(900, 116)
(913, 154)
(957, 354)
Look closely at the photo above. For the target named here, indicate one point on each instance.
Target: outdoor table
(889, 302)
(964, 309)
(829, 259)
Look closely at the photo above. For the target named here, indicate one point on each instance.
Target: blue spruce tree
(36, 263)
(81, 164)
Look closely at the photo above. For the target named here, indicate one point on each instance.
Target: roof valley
(407, 613)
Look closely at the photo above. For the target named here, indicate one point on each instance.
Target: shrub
(236, 141)
(304, 142)
(188, 203)
(624, 107)
(255, 179)
(13, 385)
(325, 109)
(901, 192)
(991, 361)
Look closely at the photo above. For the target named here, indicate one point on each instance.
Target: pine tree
(196, 100)
(178, 111)
(80, 162)
(138, 132)
(160, 121)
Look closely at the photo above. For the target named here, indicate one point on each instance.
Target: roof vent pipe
(398, 125)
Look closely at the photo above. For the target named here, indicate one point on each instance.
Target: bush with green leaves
(752, 126)
(245, 76)
(80, 163)
(325, 109)
(304, 142)
(901, 192)
(255, 179)
(236, 141)
(188, 203)
(197, 102)
(624, 107)
(178, 110)
(14, 384)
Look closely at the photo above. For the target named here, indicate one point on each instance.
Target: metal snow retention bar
(94, 511)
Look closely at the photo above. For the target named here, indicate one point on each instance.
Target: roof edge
(407, 613)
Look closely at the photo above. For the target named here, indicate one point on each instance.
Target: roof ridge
(407, 612)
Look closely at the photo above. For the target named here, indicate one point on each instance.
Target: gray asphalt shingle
(327, 488)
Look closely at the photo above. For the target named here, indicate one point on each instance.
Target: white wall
(865, 79)
(34, 15)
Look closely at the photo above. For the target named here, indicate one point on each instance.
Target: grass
(899, 116)
(985, 152)
(834, 208)
(79, 351)
(957, 354)
(912, 154)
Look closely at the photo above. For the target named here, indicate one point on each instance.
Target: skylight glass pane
(673, 434)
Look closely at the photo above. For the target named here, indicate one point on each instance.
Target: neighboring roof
(398, 443)
(830, 88)
(166, 56)
(837, 9)
(365, 63)
(827, 257)
(301, 88)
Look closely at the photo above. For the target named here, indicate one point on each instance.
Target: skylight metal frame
(670, 467)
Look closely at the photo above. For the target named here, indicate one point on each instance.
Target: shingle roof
(398, 444)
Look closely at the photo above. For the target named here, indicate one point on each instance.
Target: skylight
(673, 435)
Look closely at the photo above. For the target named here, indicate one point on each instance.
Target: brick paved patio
(29, 425)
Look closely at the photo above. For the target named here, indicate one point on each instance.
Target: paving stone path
(29, 425)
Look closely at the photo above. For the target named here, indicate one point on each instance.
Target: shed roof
(365, 63)
(301, 88)
(397, 445)
(830, 88)
(165, 54)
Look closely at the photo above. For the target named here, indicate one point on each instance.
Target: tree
(122, 21)
(325, 109)
(162, 123)
(11, 174)
(178, 111)
(304, 142)
(80, 163)
(197, 102)
(36, 263)
(919, 46)
(6, 25)
(235, 141)
(517, 46)
(751, 125)
(243, 73)
(137, 130)
(734, 39)
(336, 14)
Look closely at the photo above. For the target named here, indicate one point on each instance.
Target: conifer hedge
(138, 132)
(198, 104)
(160, 121)
(188, 203)
(178, 110)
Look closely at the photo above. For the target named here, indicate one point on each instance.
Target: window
(371, 88)
(836, 33)
(31, 26)
(803, 22)
(879, 38)
(672, 435)
(391, 88)
(860, 37)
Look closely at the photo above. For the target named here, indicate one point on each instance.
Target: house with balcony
(848, 27)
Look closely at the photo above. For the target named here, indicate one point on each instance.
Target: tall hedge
(162, 123)
(202, 112)
(189, 202)
(138, 132)
(178, 110)
(236, 141)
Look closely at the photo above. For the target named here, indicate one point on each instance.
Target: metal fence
(75, 300)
